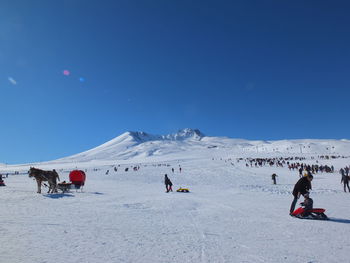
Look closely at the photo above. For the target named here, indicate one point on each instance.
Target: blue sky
(242, 69)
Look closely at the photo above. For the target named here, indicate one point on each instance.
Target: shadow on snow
(96, 193)
(57, 196)
(339, 220)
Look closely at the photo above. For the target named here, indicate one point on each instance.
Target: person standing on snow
(302, 187)
(301, 172)
(345, 179)
(273, 176)
(168, 184)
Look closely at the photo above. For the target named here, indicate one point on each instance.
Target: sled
(315, 213)
(77, 181)
(64, 187)
(183, 190)
(2, 183)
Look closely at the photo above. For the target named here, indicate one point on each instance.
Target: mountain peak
(142, 136)
(187, 133)
(180, 135)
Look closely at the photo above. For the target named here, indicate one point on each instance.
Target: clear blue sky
(244, 69)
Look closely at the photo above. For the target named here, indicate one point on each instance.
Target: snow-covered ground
(233, 213)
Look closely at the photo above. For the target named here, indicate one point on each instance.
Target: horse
(41, 175)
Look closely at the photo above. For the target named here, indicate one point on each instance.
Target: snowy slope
(135, 144)
(140, 145)
(233, 213)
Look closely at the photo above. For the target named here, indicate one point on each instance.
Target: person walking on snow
(345, 180)
(302, 187)
(168, 184)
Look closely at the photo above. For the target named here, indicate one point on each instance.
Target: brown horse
(41, 175)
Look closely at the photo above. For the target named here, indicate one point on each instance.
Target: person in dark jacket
(302, 187)
(168, 184)
(301, 172)
(345, 180)
(273, 176)
(307, 204)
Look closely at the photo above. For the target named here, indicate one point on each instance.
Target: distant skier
(301, 188)
(168, 184)
(273, 176)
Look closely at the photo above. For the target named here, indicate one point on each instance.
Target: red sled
(315, 213)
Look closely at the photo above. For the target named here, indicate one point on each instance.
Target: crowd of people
(293, 163)
(260, 162)
(310, 168)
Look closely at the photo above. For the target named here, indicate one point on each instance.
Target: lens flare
(12, 80)
(66, 72)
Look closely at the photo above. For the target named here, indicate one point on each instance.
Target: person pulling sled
(301, 188)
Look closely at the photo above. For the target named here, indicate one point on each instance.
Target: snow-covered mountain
(233, 213)
(192, 142)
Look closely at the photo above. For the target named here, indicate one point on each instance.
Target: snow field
(233, 214)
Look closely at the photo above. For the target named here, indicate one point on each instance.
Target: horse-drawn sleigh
(77, 178)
